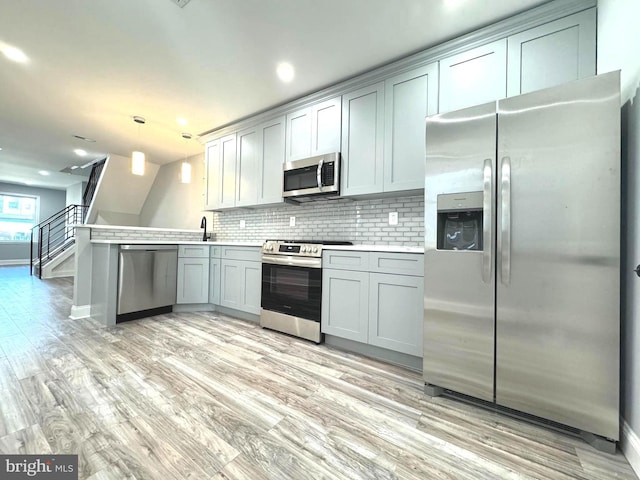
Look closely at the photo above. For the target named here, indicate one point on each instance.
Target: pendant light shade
(137, 163)
(137, 157)
(185, 169)
(185, 172)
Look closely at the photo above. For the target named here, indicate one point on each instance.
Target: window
(18, 215)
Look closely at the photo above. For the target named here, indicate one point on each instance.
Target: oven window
(292, 290)
(290, 283)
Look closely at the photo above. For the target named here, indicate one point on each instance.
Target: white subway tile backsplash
(360, 221)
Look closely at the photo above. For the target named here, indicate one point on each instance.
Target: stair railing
(55, 235)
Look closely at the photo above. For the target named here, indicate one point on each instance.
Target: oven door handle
(291, 261)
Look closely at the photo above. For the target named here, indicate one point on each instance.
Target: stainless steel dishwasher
(147, 276)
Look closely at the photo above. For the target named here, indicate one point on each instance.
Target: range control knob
(305, 249)
(315, 250)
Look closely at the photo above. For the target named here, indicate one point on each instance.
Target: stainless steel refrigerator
(522, 253)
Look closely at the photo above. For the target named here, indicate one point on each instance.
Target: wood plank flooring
(204, 396)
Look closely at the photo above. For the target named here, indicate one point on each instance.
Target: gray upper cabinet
(326, 122)
(220, 157)
(409, 98)
(363, 140)
(272, 158)
(213, 180)
(314, 130)
(248, 161)
(473, 77)
(552, 54)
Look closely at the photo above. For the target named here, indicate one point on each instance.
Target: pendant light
(137, 157)
(185, 170)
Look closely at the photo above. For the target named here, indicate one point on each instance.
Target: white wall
(173, 204)
(120, 195)
(75, 192)
(618, 43)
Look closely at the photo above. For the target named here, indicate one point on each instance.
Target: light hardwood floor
(203, 396)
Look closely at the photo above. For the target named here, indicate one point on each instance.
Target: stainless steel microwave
(310, 177)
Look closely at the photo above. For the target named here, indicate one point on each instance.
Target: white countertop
(358, 248)
(127, 227)
(375, 248)
(174, 242)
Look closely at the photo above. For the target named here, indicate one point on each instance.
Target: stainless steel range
(292, 287)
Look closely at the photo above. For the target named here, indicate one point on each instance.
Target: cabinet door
(214, 281)
(251, 287)
(326, 121)
(345, 304)
(270, 180)
(299, 134)
(193, 280)
(556, 52)
(474, 77)
(248, 161)
(213, 178)
(228, 171)
(363, 140)
(231, 284)
(409, 98)
(395, 319)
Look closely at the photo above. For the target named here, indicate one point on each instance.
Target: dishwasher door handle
(149, 248)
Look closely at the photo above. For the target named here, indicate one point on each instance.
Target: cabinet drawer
(253, 254)
(215, 252)
(345, 260)
(193, 251)
(397, 263)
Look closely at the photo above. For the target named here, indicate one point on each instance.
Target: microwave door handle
(319, 173)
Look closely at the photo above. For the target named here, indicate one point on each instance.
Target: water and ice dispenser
(460, 221)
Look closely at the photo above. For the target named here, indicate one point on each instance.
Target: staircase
(54, 238)
(51, 238)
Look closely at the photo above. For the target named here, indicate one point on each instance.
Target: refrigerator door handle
(487, 213)
(505, 221)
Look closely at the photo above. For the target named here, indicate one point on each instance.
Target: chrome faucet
(203, 224)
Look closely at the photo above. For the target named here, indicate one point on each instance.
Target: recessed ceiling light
(80, 137)
(181, 121)
(80, 152)
(14, 54)
(43, 172)
(28, 182)
(285, 72)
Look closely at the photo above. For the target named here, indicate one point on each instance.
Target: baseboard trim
(80, 311)
(19, 261)
(630, 446)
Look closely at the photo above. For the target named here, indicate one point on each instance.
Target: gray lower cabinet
(241, 279)
(395, 317)
(473, 77)
(364, 305)
(214, 276)
(552, 54)
(345, 304)
(193, 280)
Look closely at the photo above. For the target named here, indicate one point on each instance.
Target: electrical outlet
(292, 221)
(393, 218)
(243, 223)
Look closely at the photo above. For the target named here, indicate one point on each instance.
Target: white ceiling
(94, 64)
